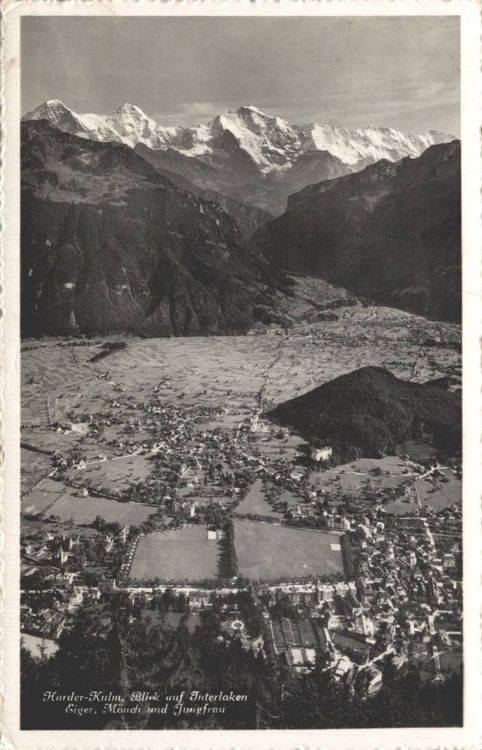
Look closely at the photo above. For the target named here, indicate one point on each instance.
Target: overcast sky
(397, 72)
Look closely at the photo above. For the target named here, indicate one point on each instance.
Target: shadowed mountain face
(180, 170)
(239, 180)
(369, 412)
(391, 233)
(109, 244)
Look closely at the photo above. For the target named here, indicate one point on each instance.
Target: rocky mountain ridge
(108, 244)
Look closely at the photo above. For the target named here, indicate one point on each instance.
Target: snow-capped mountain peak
(268, 140)
(133, 126)
(129, 110)
(49, 106)
(270, 143)
(52, 110)
(248, 110)
(359, 147)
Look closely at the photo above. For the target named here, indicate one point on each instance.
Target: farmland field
(40, 499)
(436, 493)
(180, 554)
(229, 370)
(35, 467)
(57, 499)
(389, 471)
(116, 474)
(85, 510)
(267, 551)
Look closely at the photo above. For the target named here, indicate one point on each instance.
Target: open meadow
(266, 551)
(176, 555)
(114, 475)
(66, 503)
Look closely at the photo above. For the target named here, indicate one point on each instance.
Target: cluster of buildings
(402, 594)
(54, 556)
(49, 552)
(46, 622)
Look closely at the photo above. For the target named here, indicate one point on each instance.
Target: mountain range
(391, 233)
(173, 240)
(246, 155)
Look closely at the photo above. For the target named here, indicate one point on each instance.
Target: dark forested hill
(368, 412)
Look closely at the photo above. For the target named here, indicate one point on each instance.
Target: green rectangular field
(184, 554)
(266, 551)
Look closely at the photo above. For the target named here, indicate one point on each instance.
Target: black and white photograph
(240, 320)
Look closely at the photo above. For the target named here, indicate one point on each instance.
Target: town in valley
(156, 492)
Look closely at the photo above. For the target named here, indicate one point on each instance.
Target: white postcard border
(471, 734)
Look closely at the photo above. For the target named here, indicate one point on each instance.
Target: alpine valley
(241, 423)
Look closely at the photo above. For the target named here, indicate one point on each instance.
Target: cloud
(372, 105)
(404, 104)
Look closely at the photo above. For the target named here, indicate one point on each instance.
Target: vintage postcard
(241, 378)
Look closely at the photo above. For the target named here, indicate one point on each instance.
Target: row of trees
(228, 563)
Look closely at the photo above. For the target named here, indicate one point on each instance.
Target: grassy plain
(177, 555)
(435, 492)
(267, 551)
(116, 474)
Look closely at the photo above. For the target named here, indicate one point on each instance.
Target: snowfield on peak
(360, 148)
(267, 144)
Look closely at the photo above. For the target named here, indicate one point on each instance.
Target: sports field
(184, 554)
(266, 551)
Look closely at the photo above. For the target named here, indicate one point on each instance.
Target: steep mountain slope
(312, 167)
(391, 232)
(248, 217)
(268, 193)
(109, 244)
(369, 412)
(245, 154)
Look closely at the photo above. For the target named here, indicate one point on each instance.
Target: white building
(321, 454)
